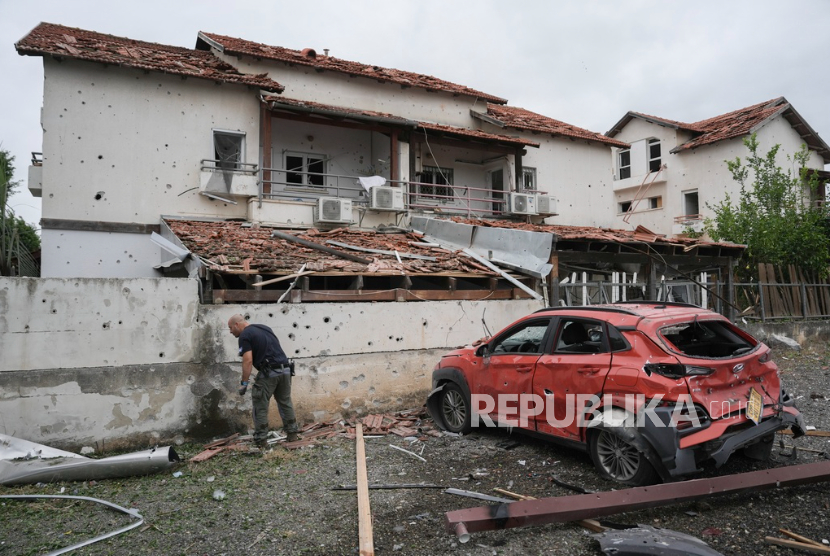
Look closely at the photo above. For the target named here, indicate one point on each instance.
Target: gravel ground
(283, 502)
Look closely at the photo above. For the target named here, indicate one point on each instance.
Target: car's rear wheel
(455, 409)
(618, 460)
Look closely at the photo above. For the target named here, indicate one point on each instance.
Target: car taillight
(766, 357)
(676, 371)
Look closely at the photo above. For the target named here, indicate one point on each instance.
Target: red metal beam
(587, 506)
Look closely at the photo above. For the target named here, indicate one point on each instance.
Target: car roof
(631, 313)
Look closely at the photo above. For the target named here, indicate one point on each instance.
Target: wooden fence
(784, 293)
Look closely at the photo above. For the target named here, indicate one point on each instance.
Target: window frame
(686, 194)
(543, 341)
(305, 169)
(623, 170)
(424, 187)
(652, 159)
(529, 171)
(241, 157)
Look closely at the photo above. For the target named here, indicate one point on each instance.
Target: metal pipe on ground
(600, 504)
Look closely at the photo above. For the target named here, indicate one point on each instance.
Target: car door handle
(588, 370)
(523, 369)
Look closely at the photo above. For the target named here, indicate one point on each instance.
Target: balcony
(642, 180)
(689, 223)
(220, 180)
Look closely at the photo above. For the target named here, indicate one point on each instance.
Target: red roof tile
(225, 245)
(733, 124)
(309, 57)
(519, 118)
(56, 40)
(327, 109)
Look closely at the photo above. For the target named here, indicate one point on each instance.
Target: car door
(578, 362)
(507, 371)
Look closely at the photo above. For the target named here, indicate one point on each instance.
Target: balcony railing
(464, 199)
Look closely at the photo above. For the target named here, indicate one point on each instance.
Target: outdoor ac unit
(330, 209)
(387, 198)
(545, 204)
(522, 203)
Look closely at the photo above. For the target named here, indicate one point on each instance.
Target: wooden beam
(299, 296)
(317, 246)
(812, 549)
(98, 226)
(325, 120)
(364, 512)
(281, 279)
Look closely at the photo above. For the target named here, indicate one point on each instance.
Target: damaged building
(371, 216)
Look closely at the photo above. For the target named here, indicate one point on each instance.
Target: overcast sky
(583, 62)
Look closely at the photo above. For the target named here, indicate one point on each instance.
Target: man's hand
(243, 388)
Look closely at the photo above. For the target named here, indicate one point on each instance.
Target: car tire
(618, 460)
(455, 409)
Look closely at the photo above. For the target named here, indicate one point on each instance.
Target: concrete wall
(132, 361)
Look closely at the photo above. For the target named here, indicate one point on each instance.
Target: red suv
(650, 390)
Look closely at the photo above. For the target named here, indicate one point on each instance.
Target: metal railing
(465, 199)
(209, 165)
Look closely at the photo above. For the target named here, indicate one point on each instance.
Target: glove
(244, 388)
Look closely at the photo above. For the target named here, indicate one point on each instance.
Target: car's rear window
(700, 338)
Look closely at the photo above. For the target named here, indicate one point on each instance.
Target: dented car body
(651, 390)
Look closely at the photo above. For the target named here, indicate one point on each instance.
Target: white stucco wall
(702, 169)
(88, 360)
(338, 89)
(70, 254)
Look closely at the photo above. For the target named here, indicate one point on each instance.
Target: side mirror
(483, 350)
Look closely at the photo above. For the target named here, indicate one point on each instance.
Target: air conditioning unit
(333, 210)
(545, 205)
(387, 198)
(522, 203)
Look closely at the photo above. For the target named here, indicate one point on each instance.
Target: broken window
(576, 336)
(707, 339)
(528, 178)
(441, 177)
(690, 203)
(655, 202)
(525, 339)
(228, 149)
(624, 207)
(654, 158)
(624, 163)
(305, 169)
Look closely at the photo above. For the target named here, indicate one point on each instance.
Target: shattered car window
(707, 339)
(527, 339)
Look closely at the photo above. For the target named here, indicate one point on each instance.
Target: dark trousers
(278, 386)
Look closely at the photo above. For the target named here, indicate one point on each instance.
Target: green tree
(18, 239)
(774, 216)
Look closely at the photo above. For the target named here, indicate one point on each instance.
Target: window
(228, 149)
(580, 337)
(624, 207)
(655, 202)
(441, 177)
(624, 163)
(528, 178)
(305, 169)
(654, 159)
(690, 203)
(526, 339)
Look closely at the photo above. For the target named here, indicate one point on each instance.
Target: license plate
(754, 406)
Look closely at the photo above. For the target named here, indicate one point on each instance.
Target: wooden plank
(799, 538)
(222, 441)
(282, 278)
(797, 545)
(262, 296)
(364, 512)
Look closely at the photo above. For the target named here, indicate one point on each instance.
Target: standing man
(260, 348)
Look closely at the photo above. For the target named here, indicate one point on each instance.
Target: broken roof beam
(381, 251)
(586, 506)
(317, 246)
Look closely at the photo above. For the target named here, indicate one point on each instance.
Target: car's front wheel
(618, 460)
(455, 409)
